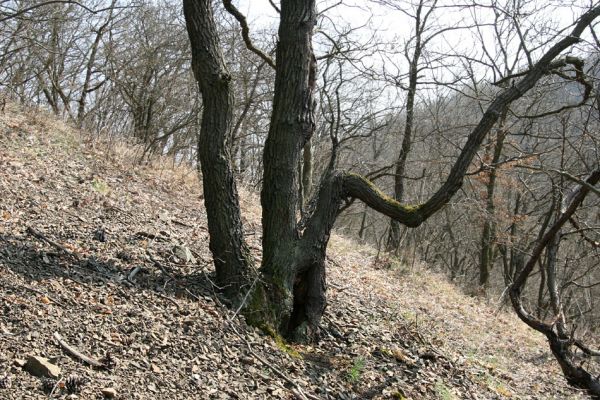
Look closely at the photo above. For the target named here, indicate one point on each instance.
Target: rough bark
(307, 172)
(230, 253)
(292, 124)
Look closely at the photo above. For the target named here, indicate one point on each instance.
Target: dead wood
(76, 353)
(51, 242)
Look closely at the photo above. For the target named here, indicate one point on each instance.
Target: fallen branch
(76, 353)
(180, 223)
(133, 273)
(42, 237)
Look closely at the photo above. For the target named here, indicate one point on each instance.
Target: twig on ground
(168, 298)
(177, 222)
(243, 302)
(42, 237)
(56, 385)
(339, 288)
(162, 268)
(133, 273)
(76, 353)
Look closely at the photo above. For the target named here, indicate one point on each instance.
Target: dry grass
(484, 334)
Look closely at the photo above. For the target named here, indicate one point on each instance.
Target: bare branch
(50, 2)
(577, 198)
(241, 18)
(414, 215)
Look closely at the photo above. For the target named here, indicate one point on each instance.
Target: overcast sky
(394, 27)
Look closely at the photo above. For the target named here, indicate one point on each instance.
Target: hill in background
(114, 258)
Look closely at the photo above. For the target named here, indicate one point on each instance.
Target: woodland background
(398, 107)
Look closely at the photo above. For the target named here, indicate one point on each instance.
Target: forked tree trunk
(293, 296)
(289, 296)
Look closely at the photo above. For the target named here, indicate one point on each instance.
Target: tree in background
(287, 294)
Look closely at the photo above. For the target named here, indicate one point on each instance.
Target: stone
(247, 360)
(109, 393)
(42, 367)
(20, 362)
(184, 254)
(155, 368)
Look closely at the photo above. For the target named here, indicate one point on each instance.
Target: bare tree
(562, 341)
(288, 294)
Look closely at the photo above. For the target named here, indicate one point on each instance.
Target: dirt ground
(114, 258)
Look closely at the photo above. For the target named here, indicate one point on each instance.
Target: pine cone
(109, 361)
(48, 384)
(74, 383)
(5, 382)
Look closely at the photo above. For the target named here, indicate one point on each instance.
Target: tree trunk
(488, 235)
(560, 339)
(89, 69)
(293, 294)
(413, 75)
(230, 253)
(307, 172)
(394, 237)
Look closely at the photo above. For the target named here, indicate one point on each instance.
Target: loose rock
(109, 393)
(184, 254)
(42, 367)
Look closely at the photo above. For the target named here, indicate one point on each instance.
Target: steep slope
(114, 258)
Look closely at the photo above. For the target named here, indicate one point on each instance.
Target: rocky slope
(113, 257)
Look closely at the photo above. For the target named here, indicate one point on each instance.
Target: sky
(394, 24)
(395, 28)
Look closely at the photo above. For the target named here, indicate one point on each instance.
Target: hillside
(114, 258)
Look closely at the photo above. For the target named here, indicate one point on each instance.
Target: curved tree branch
(413, 215)
(361, 188)
(241, 18)
(559, 340)
(577, 198)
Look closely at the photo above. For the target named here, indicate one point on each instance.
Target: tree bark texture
(230, 253)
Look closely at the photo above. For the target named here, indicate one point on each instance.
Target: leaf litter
(105, 272)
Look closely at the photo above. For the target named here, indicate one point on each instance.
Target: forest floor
(114, 258)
